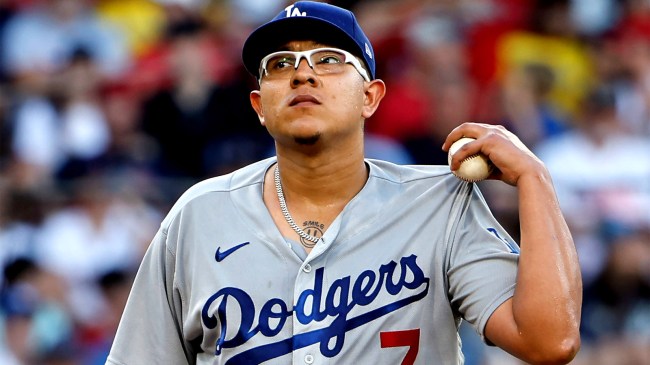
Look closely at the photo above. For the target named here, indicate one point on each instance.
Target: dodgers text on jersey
(316, 304)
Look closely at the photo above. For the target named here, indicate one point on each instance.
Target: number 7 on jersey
(406, 338)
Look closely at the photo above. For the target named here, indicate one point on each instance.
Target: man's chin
(307, 141)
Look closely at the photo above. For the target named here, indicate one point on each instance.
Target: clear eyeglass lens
(323, 62)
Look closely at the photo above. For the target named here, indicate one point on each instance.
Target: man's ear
(256, 103)
(375, 91)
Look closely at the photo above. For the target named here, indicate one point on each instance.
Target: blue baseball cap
(309, 20)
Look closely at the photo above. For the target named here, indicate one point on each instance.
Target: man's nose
(304, 73)
(303, 62)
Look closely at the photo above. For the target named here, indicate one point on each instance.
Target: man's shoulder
(244, 177)
(407, 173)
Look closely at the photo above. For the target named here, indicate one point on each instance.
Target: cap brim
(270, 37)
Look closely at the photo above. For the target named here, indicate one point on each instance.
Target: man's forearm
(548, 297)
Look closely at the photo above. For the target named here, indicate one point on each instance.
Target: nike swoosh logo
(219, 256)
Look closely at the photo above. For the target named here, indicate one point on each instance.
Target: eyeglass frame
(299, 55)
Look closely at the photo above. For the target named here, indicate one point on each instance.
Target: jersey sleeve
(482, 260)
(150, 328)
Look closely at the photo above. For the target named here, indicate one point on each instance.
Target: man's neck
(313, 192)
(322, 183)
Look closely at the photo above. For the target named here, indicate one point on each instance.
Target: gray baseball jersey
(388, 283)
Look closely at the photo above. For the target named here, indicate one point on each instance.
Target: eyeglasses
(324, 61)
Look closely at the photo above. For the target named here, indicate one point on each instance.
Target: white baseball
(475, 167)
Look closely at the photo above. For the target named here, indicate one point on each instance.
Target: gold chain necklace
(287, 216)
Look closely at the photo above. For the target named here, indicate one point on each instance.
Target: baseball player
(320, 256)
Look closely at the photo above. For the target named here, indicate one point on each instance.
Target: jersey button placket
(309, 359)
(304, 282)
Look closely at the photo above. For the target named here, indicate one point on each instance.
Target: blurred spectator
(62, 132)
(18, 303)
(387, 149)
(103, 228)
(6, 12)
(40, 40)
(254, 12)
(129, 150)
(593, 18)
(34, 142)
(152, 69)
(56, 54)
(96, 340)
(404, 109)
(617, 312)
(526, 104)
(602, 176)
(201, 126)
(141, 22)
(489, 21)
(433, 87)
(631, 44)
(5, 129)
(85, 135)
(38, 328)
(21, 216)
(550, 41)
(615, 350)
(619, 302)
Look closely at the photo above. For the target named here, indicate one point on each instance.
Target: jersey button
(307, 268)
(309, 359)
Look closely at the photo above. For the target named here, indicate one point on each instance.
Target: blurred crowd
(109, 109)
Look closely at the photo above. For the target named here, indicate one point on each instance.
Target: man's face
(306, 107)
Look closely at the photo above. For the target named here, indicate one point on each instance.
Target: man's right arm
(149, 331)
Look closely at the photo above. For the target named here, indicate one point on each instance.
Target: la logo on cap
(295, 12)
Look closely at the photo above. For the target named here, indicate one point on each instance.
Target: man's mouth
(304, 99)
